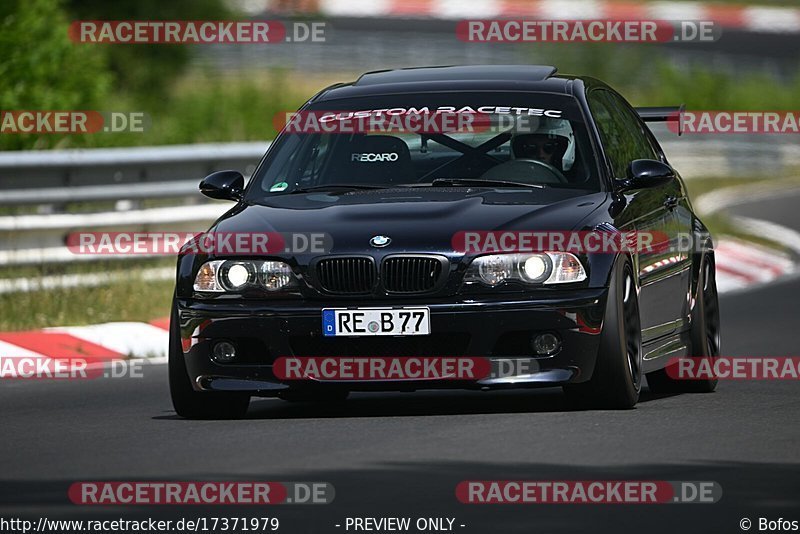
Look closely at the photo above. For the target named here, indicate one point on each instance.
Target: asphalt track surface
(402, 455)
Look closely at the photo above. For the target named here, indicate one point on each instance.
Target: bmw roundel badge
(380, 241)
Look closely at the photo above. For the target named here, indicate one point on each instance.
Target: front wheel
(193, 404)
(617, 378)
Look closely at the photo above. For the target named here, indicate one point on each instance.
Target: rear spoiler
(663, 114)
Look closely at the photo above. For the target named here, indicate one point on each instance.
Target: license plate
(376, 322)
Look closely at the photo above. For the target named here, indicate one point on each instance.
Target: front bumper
(499, 329)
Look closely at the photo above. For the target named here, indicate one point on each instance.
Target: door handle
(671, 202)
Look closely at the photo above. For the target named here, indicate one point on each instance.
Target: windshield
(475, 140)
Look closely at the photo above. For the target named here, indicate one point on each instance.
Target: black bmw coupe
(395, 275)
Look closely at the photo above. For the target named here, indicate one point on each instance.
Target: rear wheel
(193, 404)
(705, 336)
(617, 378)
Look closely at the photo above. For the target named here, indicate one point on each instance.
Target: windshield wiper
(483, 183)
(335, 187)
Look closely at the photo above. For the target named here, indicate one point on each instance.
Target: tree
(41, 69)
(142, 69)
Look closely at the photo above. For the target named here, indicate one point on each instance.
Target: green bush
(40, 68)
(208, 107)
(147, 70)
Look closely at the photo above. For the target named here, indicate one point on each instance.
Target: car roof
(526, 78)
(454, 73)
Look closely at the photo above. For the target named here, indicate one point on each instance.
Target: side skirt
(658, 353)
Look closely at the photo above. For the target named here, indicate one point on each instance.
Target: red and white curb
(96, 345)
(739, 265)
(752, 18)
(743, 264)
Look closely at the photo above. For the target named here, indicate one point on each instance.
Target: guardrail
(37, 177)
(54, 179)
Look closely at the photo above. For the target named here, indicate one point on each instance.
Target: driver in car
(547, 148)
(553, 143)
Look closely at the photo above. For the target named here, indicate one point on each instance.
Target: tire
(705, 336)
(617, 378)
(192, 404)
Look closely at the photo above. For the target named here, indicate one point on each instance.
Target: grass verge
(122, 301)
(130, 299)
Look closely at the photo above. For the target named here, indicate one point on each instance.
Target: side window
(609, 132)
(644, 149)
(621, 131)
(656, 146)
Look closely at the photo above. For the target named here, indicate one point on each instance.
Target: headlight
(567, 268)
(544, 268)
(275, 275)
(219, 276)
(206, 279)
(236, 275)
(495, 269)
(535, 268)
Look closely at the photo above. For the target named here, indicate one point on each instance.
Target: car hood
(414, 219)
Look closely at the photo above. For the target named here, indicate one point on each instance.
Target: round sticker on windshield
(280, 186)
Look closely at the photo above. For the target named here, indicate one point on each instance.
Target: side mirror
(223, 185)
(645, 173)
